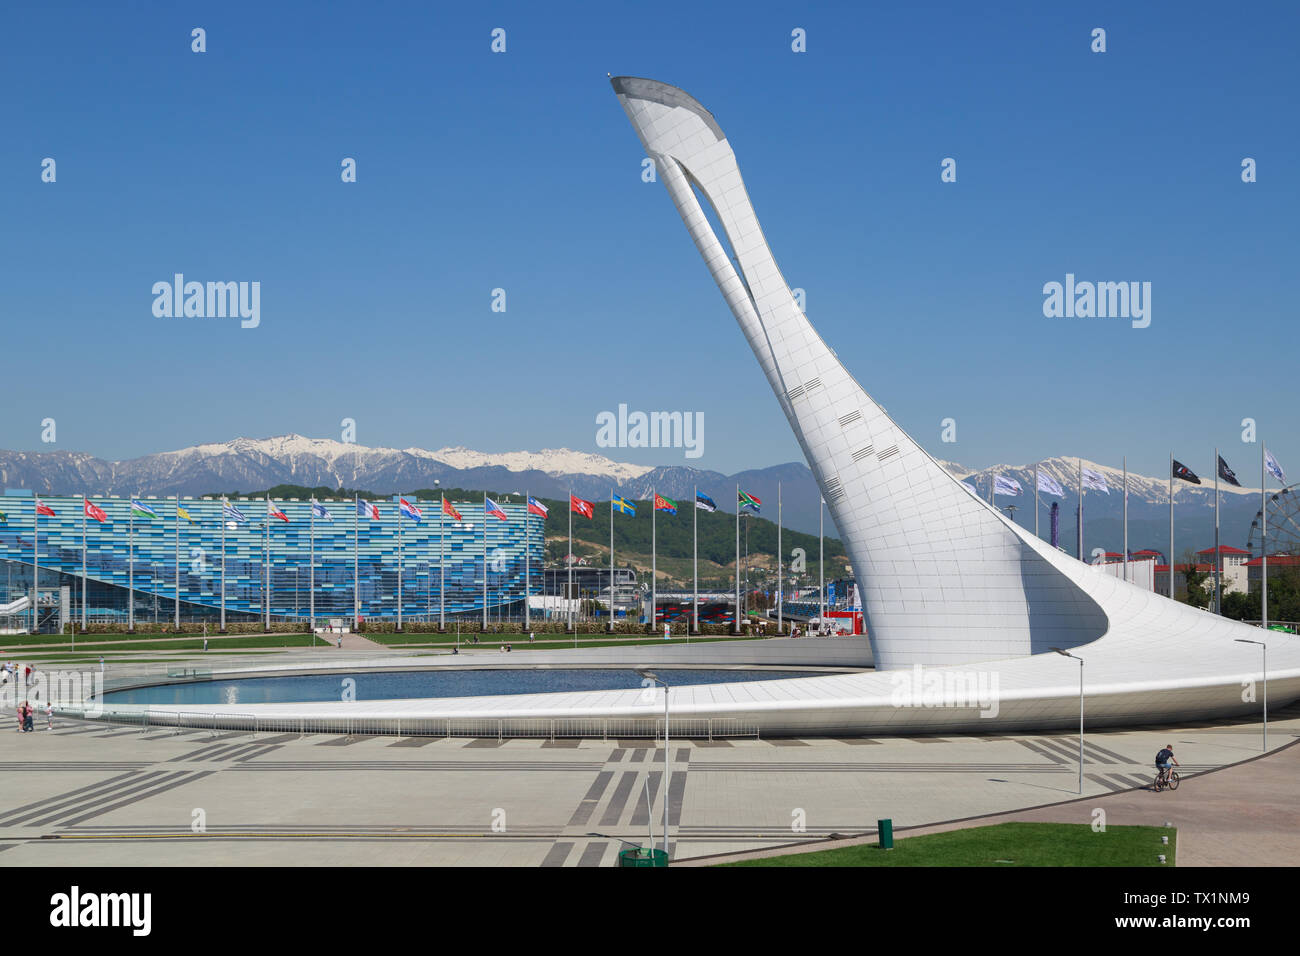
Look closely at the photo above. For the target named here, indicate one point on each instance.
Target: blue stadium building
(165, 558)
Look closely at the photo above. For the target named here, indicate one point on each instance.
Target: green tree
(1200, 588)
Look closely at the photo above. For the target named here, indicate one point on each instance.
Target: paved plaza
(95, 794)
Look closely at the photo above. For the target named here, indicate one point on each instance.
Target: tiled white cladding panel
(944, 577)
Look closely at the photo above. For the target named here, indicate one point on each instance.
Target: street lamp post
(668, 770)
(1264, 648)
(1080, 660)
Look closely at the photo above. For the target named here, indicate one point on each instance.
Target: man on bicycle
(1163, 759)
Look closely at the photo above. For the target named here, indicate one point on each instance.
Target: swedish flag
(623, 507)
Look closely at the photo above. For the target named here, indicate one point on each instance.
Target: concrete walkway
(97, 794)
(355, 642)
(1246, 814)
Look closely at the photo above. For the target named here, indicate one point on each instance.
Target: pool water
(445, 682)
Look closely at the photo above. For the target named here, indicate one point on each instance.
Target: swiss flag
(93, 511)
(584, 508)
(451, 512)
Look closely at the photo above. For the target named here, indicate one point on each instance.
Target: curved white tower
(944, 578)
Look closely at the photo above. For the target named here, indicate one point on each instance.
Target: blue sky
(519, 171)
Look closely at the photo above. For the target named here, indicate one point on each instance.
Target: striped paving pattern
(614, 788)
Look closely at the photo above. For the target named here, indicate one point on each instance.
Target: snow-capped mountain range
(254, 464)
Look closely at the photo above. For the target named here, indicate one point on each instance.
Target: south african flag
(746, 500)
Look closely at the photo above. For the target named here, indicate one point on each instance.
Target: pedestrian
(27, 717)
(49, 714)
(205, 643)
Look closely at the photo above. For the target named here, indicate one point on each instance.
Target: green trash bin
(886, 830)
(638, 856)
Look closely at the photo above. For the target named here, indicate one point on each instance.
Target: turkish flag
(584, 508)
(447, 509)
(93, 511)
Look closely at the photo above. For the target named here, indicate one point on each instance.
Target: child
(49, 714)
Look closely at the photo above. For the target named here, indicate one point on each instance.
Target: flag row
(1093, 480)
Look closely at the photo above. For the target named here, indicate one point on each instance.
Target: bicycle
(1166, 778)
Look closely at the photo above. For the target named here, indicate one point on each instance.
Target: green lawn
(99, 640)
(549, 641)
(1004, 844)
(516, 644)
(196, 643)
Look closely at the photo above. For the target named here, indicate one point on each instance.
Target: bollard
(886, 830)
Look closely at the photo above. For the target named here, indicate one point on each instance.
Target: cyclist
(1163, 759)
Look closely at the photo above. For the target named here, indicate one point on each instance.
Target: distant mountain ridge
(253, 464)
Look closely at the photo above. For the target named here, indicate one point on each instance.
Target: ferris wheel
(1283, 524)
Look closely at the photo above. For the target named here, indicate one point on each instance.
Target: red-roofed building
(1232, 563)
(1276, 563)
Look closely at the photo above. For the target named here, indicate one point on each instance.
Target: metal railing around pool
(501, 728)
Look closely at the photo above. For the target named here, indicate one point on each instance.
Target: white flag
(1050, 485)
(1095, 481)
(971, 488)
(1273, 467)
(1005, 486)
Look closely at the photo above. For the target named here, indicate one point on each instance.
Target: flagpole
(36, 561)
(178, 561)
(400, 559)
(442, 590)
(780, 565)
(1035, 499)
(1263, 540)
(223, 564)
(311, 573)
(266, 560)
(1080, 519)
(83, 569)
(485, 565)
(736, 616)
(695, 560)
(1126, 518)
(1171, 526)
(1216, 530)
(356, 561)
(654, 574)
(428, 592)
(130, 571)
(528, 540)
(568, 560)
(611, 560)
(821, 562)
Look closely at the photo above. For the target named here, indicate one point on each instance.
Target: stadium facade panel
(195, 557)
